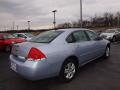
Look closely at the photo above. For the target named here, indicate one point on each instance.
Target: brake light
(35, 55)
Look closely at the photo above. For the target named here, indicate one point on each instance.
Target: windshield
(9, 36)
(110, 31)
(28, 34)
(46, 37)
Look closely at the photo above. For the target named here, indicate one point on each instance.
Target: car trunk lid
(22, 50)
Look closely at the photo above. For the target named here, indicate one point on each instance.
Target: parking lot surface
(101, 74)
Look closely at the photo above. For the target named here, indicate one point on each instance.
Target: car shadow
(92, 65)
(46, 83)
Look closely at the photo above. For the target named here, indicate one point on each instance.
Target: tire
(68, 71)
(114, 39)
(107, 52)
(7, 48)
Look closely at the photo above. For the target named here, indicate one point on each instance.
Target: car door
(84, 46)
(97, 44)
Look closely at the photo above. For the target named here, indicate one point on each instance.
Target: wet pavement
(101, 74)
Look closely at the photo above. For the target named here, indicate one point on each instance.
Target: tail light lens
(35, 55)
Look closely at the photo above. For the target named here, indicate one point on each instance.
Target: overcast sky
(40, 15)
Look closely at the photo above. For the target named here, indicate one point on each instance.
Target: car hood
(107, 34)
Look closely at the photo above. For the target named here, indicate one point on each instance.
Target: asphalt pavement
(101, 74)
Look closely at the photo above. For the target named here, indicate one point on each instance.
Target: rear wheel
(114, 39)
(68, 70)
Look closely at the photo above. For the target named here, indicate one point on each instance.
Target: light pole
(54, 21)
(28, 25)
(13, 25)
(17, 27)
(81, 17)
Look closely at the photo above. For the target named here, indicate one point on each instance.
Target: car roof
(72, 29)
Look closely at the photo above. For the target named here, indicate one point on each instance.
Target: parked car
(27, 36)
(7, 40)
(57, 53)
(111, 34)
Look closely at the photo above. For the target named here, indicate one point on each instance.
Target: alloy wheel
(70, 70)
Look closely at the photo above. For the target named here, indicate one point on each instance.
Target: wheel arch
(73, 58)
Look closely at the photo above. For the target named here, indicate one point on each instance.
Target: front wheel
(68, 71)
(107, 52)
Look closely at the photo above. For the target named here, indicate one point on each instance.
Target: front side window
(46, 37)
(92, 35)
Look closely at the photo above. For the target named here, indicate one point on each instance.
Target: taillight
(35, 55)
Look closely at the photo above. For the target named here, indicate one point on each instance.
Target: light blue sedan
(57, 53)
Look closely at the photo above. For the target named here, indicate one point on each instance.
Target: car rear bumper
(30, 70)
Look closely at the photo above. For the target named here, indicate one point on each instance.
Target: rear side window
(46, 37)
(92, 35)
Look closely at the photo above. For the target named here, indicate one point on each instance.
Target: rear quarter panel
(56, 55)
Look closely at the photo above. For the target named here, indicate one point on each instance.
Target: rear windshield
(28, 34)
(46, 37)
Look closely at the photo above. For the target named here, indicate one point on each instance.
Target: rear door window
(80, 36)
(77, 36)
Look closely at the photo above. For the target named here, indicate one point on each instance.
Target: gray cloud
(39, 11)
